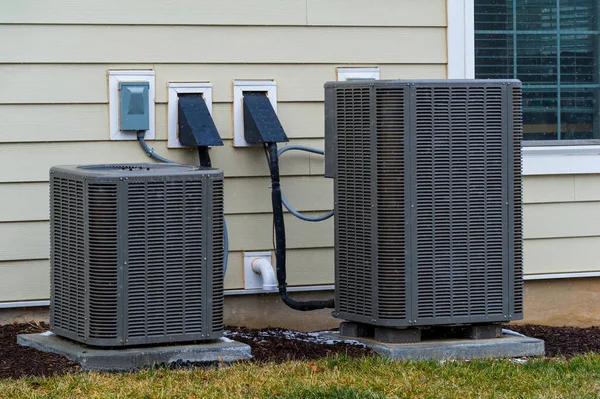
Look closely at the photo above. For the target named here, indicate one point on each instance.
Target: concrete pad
(126, 359)
(506, 346)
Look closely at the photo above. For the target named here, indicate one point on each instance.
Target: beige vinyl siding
(86, 83)
(227, 44)
(561, 224)
(306, 193)
(30, 280)
(227, 12)
(54, 104)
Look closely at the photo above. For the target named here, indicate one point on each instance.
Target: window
(553, 47)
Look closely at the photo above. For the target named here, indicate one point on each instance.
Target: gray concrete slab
(97, 359)
(503, 347)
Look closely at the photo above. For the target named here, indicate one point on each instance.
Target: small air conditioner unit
(428, 227)
(137, 253)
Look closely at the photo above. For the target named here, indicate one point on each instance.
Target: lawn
(336, 377)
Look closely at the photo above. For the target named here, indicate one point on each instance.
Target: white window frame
(550, 159)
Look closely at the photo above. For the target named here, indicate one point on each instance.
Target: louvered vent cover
(428, 200)
(137, 253)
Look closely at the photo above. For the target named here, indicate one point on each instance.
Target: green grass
(340, 377)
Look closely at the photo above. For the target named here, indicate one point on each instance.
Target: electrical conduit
(280, 242)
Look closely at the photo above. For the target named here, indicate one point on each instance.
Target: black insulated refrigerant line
(280, 245)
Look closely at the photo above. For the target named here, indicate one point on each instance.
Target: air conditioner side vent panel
(431, 232)
(134, 257)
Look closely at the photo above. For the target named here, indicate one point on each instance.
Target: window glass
(552, 46)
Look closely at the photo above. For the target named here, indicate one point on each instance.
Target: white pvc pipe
(263, 267)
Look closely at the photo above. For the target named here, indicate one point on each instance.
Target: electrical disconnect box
(134, 106)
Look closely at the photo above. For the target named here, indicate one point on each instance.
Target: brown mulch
(279, 345)
(270, 344)
(17, 361)
(563, 341)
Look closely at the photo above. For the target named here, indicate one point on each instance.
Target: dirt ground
(271, 344)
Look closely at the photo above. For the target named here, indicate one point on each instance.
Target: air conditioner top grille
(425, 82)
(134, 170)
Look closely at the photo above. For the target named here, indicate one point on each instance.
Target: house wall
(54, 59)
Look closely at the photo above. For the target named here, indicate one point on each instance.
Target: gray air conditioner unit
(137, 253)
(428, 227)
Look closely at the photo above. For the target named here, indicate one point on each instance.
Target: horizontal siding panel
(548, 189)
(80, 83)
(220, 44)
(310, 266)
(89, 122)
(29, 201)
(30, 162)
(382, 13)
(571, 219)
(30, 280)
(587, 187)
(317, 162)
(228, 12)
(251, 232)
(24, 281)
(254, 232)
(159, 12)
(72, 122)
(57, 83)
(561, 188)
(24, 202)
(253, 195)
(24, 240)
(562, 255)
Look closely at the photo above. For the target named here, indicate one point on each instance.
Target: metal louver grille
(68, 255)
(518, 194)
(218, 255)
(165, 258)
(391, 234)
(353, 212)
(428, 200)
(460, 202)
(133, 260)
(103, 260)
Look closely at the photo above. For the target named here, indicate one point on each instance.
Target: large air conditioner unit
(428, 227)
(137, 253)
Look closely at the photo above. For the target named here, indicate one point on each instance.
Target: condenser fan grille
(428, 200)
(137, 254)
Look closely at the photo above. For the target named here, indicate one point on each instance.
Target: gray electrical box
(428, 214)
(137, 253)
(134, 106)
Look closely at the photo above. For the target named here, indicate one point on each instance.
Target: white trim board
(555, 276)
(344, 74)
(561, 160)
(461, 39)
